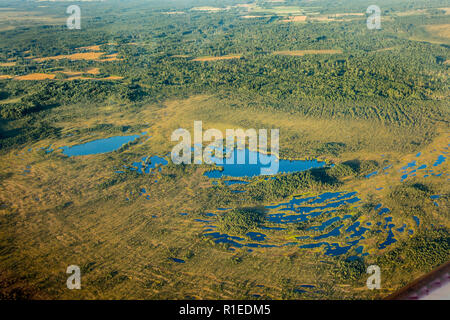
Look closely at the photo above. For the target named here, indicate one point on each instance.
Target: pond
(252, 170)
(99, 146)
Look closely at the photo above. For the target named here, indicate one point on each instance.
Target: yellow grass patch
(251, 17)
(7, 64)
(93, 71)
(90, 48)
(228, 57)
(411, 12)
(36, 76)
(296, 19)
(5, 76)
(109, 57)
(97, 79)
(175, 12)
(440, 30)
(349, 14)
(75, 56)
(206, 8)
(300, 53)
(71, 73)
(321, 18)
(112, 78)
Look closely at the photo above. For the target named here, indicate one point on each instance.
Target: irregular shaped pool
(99, 146)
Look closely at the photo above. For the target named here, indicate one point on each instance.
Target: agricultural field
(87, 177)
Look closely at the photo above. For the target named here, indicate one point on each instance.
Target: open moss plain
(368, 102)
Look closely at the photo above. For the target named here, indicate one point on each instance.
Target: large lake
(98, 146)
(251, 170)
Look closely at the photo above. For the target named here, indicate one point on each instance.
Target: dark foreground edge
(427, 286)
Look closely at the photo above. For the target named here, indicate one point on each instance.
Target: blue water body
(299, 209)
(200, 220)
(232, 182)
(436, 196)
(422, 167)
(147, 164)
(439, 161)
(409, 165)
(383, 211)
(272, 228)
(299, 291)
(371, 174)
(416, 219)
(312, 245)
(225, 238)
(389, 240)
(210, 214)
(333, 249)
(251, 170)
(307, 286)
(324, 197)
(359, 249)
(328, 223)
(436, 204)
(256, 236)
(98, 146)
(356, 230)
(419, 154)
(177, 260)
(333, 233)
